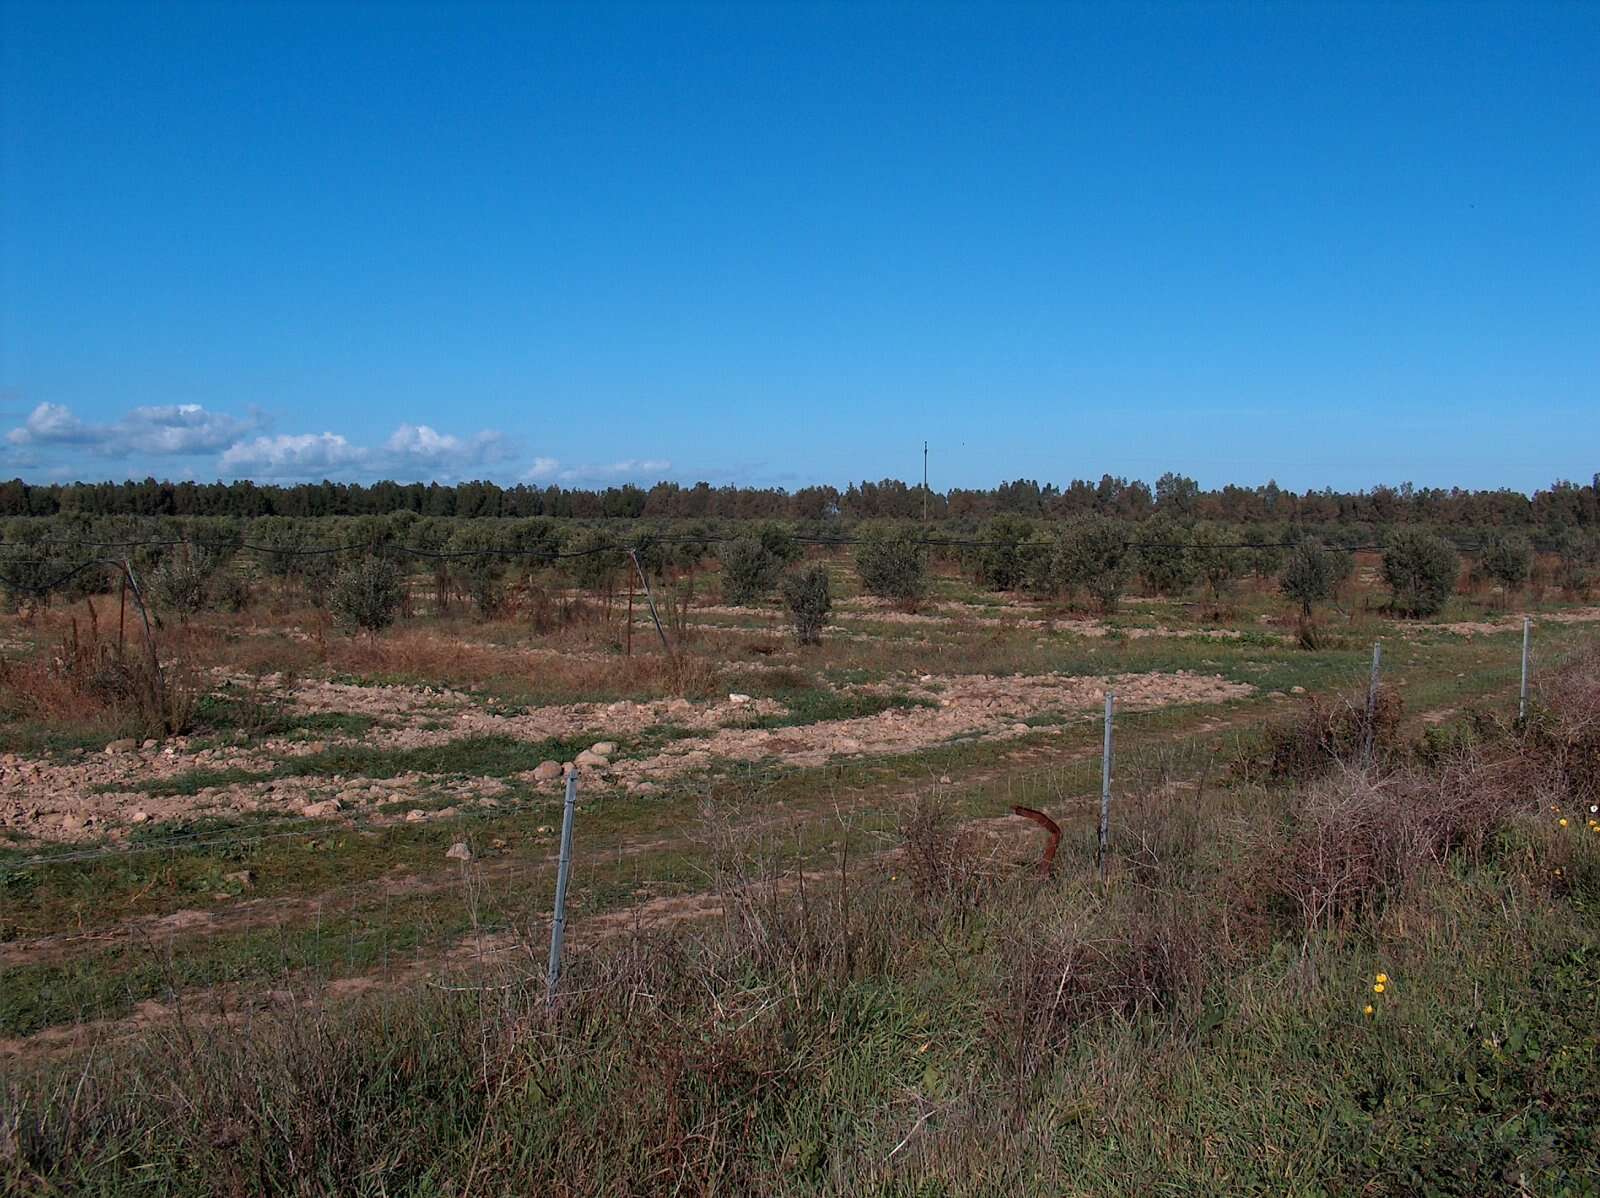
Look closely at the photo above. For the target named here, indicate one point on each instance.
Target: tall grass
(943, 1020)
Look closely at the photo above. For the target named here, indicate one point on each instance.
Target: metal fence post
(1372, 701)
(558, 926)
(1105, 787)
(1522, 702)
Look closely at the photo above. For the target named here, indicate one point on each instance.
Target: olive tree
(892, 564)
(367, 594)
(1507, 560)
(1420, 570)
(807, 594)
(1094, 556)
(1166, 557)
(1312, 574)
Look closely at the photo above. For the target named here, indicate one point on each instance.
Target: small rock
(1019, 728)
(589, 759)
(1297, 690)
(151, 743)
(320, 810)
(244, 879)
(458, 852)
(126, 745)
(737, 699)
(139, 817)
(72, 823)
(416, 815)
(604, 748)
(547, 771)
(944, 779)
(497, 843)
(543, 829)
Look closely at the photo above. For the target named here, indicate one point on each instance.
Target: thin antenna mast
(924, 482)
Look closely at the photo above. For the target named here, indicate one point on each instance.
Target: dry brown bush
(1358, 839)
(86, 681)
(942, 859)
(1328, 732)
(1087, 960)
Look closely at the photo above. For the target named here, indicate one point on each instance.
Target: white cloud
(189, 440)
(50, 423)
(183, 429)
(637, 470)
(292, 455)
(411, 452)
(165, 430)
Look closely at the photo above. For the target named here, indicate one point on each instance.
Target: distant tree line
(1562, 505)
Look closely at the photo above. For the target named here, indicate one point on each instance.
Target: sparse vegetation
(839, 933)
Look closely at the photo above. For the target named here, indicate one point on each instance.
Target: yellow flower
(1377, 987)
(1367, 1010)
(1381, 978)
(1562, 821)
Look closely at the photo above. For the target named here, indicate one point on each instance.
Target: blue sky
(783, 244)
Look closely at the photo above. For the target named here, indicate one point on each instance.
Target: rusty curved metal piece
(1047, 863)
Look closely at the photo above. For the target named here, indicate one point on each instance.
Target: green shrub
(181, 584)
(1578, 553)
(1166, 558)
(1312, 574)
(807, 594)
(1003, 564)
(367, 594)
(595, 561)
(1217, 558)
(482, 574)
(230, 591)
(893, 564)
(1094, 556)
(1420, 570)
(752, 564)
(1507, 560)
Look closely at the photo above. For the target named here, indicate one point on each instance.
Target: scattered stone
(604, 748)
(944, 779)
(139, 817)
(126, 745)
(737, 699)
(1019, 728)
(547, 771)
(458, 852)
(543, 829)
(1297, 690)
(589, 759)
(320, 810)
(416, 815)
(244, 879)
(151, 743)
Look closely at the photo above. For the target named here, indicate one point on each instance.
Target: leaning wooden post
(1105, 787)
(558, 925)
(649, 597)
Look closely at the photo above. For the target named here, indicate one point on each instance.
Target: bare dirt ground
(1513, 622)
(98, 795)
